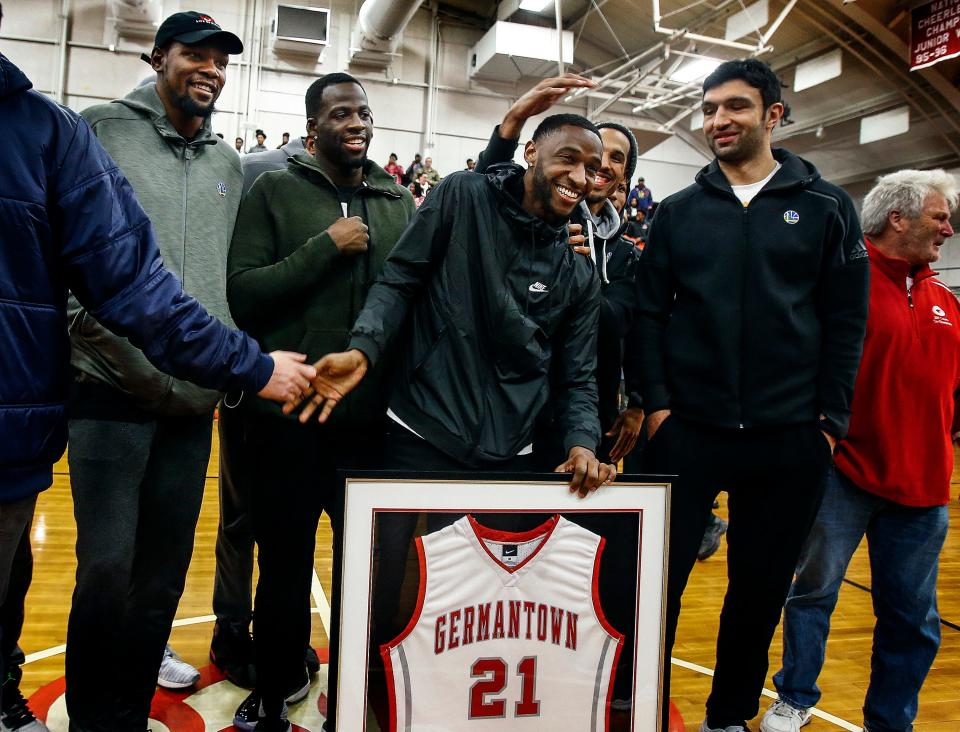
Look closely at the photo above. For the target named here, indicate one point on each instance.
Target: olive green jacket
(290, 287)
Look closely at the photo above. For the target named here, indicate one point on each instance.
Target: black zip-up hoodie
(754, 316)
(615, 260)
(493, 296)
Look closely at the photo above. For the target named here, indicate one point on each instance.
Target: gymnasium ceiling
(615, 41)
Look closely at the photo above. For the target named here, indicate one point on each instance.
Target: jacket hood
(146, 101)
(600, 230)
(12, 79)
(607, 223)
(507, 181)
(794, 172)
(374, 176)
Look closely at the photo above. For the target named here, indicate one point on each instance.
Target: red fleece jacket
(899, 444)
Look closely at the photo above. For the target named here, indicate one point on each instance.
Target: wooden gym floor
(844, 678)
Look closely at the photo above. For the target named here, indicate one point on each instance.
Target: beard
(335, 155)
(747, 147)
(191, 107)
(543, 195)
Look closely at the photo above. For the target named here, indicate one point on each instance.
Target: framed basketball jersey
(481, 603)
(507, 625)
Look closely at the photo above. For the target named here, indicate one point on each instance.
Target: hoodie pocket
(430, 351)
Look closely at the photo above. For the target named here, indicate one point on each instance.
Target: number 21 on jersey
(492, 675)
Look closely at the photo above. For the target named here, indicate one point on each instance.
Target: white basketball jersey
(508, 634)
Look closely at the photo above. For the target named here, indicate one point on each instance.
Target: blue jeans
(904, 544)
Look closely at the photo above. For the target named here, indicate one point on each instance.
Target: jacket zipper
(183, 210)
(743, 302)
(913, 312)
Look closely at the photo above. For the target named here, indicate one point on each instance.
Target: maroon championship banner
(934, 33)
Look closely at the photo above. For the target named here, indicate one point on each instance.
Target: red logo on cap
(206, 19)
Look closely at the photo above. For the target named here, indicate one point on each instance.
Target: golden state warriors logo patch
(791, 217)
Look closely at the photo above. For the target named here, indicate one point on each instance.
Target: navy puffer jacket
(70, 220)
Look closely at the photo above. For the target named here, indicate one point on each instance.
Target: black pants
(293, 481)
(137, 489)
(16, 571)
(233, 579)
(775, 481)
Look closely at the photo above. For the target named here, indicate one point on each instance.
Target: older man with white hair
(891, 479)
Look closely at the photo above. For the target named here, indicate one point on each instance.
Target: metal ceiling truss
(639, 71)
(761, 46)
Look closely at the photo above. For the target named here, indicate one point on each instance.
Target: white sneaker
(784, 717)
(176, 673)
(704, 727)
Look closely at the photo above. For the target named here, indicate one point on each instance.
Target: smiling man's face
(343, 127)
(735, 123)
(563, 168)
(191, 77)
(616, 149)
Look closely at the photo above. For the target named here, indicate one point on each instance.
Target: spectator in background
(413, 170)
(640, 197)
(254, 165)
(238, 144)
(637, 229)
(284, 139)
(259, 147)
(393, 168)
(433, 177)
(420, 188)
(471, 164)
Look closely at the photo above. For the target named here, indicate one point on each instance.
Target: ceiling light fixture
(694, 70)
(534, 6)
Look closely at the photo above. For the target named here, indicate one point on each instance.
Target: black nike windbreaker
(492, 296)
(754, 316)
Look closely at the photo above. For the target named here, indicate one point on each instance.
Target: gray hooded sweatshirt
(191, 191)
(600, 230)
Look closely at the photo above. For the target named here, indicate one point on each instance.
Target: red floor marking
(168, 706)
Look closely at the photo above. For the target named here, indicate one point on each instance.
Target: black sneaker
(250, 716)
(231, 651)
(16, 715)
(250, 711)
(312, 661)
(711, 537)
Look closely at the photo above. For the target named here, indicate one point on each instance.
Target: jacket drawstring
(602, 266)
(593, 251)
